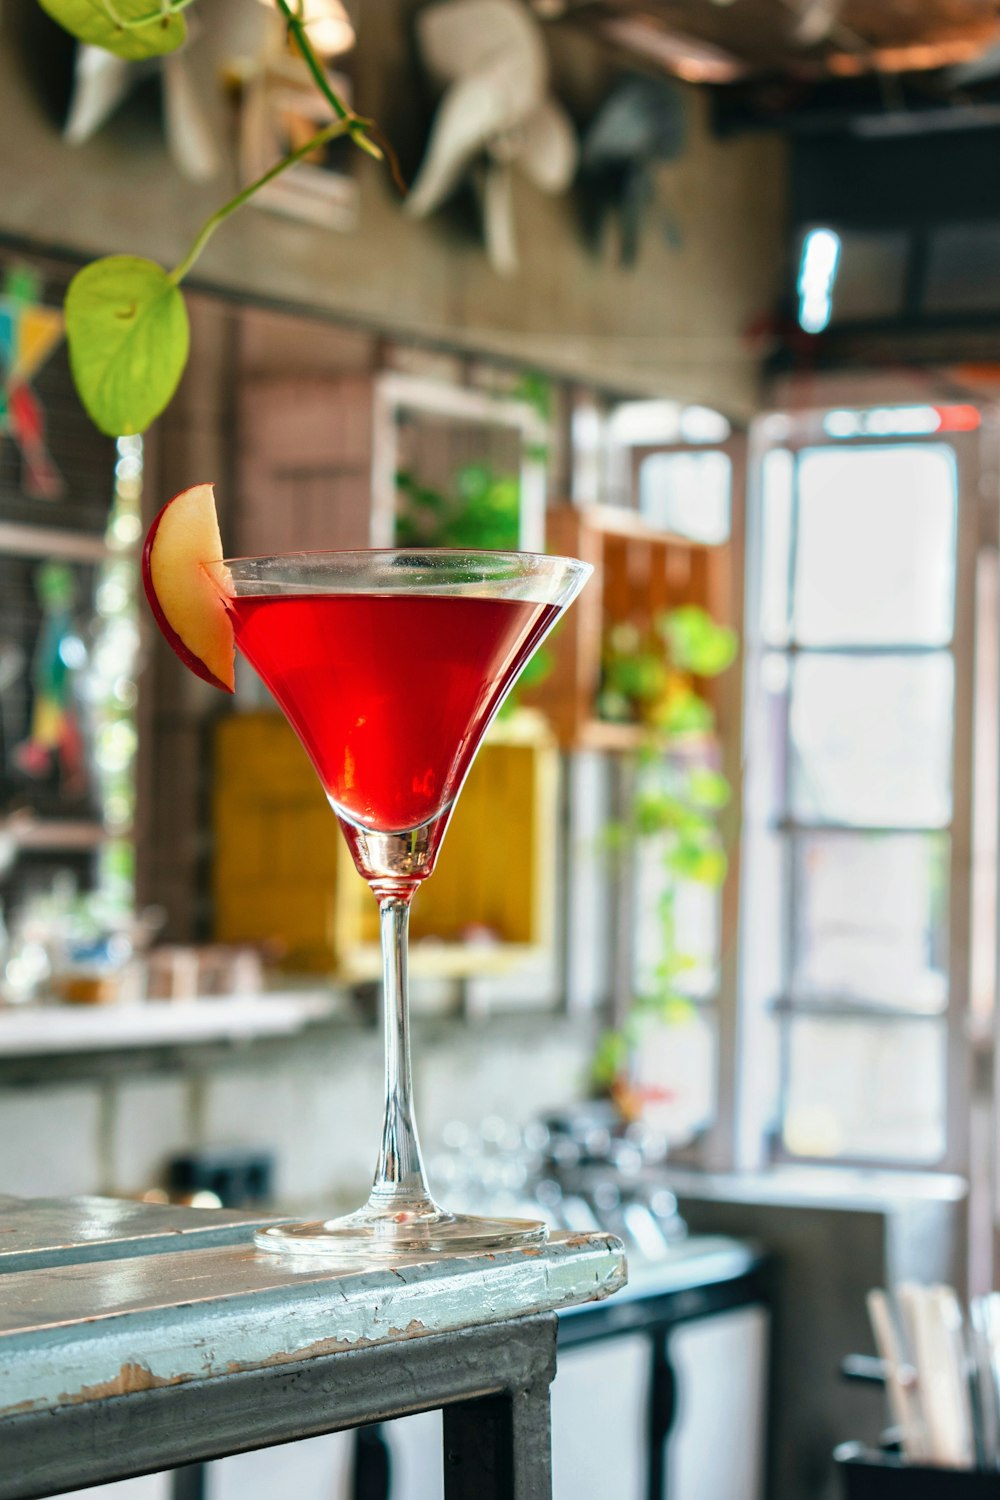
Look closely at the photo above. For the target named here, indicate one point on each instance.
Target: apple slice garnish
(185, 581)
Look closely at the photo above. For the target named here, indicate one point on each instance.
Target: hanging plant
(126, 322)
(653, 678)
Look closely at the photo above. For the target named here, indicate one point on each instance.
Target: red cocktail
(390, 667)
(389, 693)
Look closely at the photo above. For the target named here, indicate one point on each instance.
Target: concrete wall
(109, 1124)
(676, 323)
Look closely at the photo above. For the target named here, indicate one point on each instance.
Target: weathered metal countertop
(40, 1232)
(111, 1298)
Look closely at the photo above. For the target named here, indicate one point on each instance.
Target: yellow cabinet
(282, 875)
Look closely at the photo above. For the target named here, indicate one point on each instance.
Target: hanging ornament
(55, 739)
(29, 331)
(102, 82)
(496, 115)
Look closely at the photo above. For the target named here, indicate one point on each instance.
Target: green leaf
(127, 331)
(537, 668)
(696, 643)
(609, 1059)
(708, 788)
(677, 1010)
(473, 481)
(614, 706)
(614, 838)
(703, 866)
(536, 390)
(655, 810)
(641, 677)
(94, 22)
(683, 712)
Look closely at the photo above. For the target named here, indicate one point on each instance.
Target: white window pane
(866, 1088)
(689, 927)
(765, 797)
(687, 493)
(700, 424)
(777, 481)
(875, 559)
(871, 919)
(871, 740)
(675, 1073)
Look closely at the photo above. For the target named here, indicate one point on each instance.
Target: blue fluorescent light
(817, 274)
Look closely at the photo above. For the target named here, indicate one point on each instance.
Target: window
(668, 481)
(687, 493)
(851, 799)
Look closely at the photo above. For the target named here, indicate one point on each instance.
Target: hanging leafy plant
(126, 322)
(653, 678)
(132, 29)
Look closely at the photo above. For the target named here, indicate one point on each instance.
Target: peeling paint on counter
(76, 1333)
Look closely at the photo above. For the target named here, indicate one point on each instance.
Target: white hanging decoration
(491, 60)
(102, 82)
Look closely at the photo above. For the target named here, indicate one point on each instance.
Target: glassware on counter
(580, 1171)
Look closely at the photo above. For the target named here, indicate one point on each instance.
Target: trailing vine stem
(364, 133)
(347, 122)
(328, 133)
(103, 369)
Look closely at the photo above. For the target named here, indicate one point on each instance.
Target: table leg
(662, 1414)
(188, 1483)
(499, 1447)
(372, 1475)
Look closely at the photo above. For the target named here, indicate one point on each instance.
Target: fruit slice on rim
(185, 580)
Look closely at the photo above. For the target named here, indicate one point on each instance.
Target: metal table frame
(491, 1382)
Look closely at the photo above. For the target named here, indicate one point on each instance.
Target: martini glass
(390, 667)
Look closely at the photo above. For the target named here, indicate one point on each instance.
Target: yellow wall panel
(282, 873)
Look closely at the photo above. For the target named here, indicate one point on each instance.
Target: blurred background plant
(656, 678)
(651, 676)
(481, 513)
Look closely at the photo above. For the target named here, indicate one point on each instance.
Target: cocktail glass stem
(400, 1181)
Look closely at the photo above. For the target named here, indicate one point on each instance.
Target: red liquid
(389, 693)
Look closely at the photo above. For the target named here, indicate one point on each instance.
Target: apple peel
(186, 583)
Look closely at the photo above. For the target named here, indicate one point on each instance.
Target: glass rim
(501, 554)
(453, 572)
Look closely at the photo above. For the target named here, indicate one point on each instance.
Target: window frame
(759, 1130)
(712, 1149)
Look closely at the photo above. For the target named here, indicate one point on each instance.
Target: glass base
(371, 1235)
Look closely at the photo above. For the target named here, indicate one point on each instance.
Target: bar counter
(135, 1338)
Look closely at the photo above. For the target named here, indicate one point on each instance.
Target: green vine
(212, 223)
(653, 678)
(126, 321)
